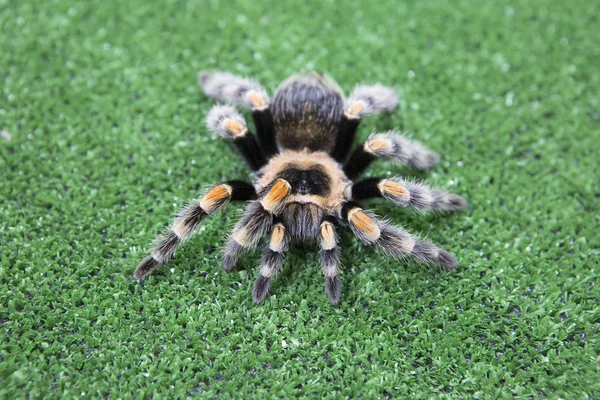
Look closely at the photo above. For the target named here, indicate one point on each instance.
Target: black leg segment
(366, 189)
(242, 191)
(345, 138)
(250, 149)
(358, 162)
(265, 130)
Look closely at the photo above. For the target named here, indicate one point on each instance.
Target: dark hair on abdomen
(307, 110)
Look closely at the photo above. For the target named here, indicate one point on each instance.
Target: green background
(103, 140)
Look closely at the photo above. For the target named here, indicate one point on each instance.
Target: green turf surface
(103, 140)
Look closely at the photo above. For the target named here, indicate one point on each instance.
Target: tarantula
(305, 177)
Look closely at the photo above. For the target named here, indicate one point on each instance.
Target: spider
(305, 177)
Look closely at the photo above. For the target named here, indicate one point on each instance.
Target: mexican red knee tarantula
(305, 177)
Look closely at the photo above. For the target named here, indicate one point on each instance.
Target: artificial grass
(103, 140)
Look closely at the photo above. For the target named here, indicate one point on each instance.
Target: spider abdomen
(307, 110)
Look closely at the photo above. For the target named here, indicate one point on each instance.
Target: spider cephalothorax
(305, 173)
